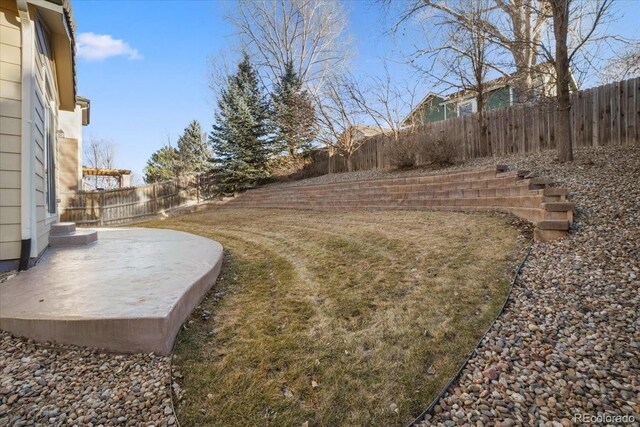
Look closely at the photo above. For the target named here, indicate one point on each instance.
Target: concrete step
(61, 228)
(78, 237)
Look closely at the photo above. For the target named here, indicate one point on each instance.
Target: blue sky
(149, 77)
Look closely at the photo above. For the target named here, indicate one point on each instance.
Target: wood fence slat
(119, 206)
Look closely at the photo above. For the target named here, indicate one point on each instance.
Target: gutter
(27, 203)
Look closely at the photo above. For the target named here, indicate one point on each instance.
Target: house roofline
(419, 104)
(58, 17)
(470, 94)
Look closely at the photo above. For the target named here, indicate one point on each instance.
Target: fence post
(155, 199)
(101, 209)
(198, 188)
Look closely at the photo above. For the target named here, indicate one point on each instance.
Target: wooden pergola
(118, 174)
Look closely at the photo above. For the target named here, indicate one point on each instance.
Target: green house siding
(433, 110)
(498, 98)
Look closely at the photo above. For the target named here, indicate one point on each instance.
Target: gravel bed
(66, 385)
(567, 348)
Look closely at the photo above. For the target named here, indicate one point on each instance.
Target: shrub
(313, 163)
(403, 154)
(442, 151)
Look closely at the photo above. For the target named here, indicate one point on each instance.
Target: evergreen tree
(192, 155)
(193, 150)
(240, 136)
(293, 114)
(163, 165)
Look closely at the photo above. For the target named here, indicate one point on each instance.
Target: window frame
(464, 104)
(50, 191)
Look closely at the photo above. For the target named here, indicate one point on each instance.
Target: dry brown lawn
(337, 319)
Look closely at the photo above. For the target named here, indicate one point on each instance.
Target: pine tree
(192, 155)
(163, 165)
(193, 149)
(240, 136)
(293, 114)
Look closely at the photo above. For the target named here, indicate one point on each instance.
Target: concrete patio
(128, 292)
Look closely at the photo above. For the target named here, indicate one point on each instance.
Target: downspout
(27, 202)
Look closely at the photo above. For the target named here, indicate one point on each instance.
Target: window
(466, 109)
(42, 39)
(50, 160)
(50, 125)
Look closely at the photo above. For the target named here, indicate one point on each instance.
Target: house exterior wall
(30, 108)
(69, 170)
(10, 130)
(70, 124)
(433, 110)
(499, 98)
(42, 103)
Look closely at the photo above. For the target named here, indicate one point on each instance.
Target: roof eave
(59, 22)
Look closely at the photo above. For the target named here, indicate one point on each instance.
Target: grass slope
(337, 319)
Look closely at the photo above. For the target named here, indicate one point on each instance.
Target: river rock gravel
(66, 385)
(566, 350)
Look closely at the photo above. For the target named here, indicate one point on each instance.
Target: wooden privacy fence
(123, 205)
(603, 115)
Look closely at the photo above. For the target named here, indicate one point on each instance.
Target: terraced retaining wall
(516, 192)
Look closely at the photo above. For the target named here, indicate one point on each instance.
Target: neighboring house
(41, 120)
(499, 93)
(359, 132)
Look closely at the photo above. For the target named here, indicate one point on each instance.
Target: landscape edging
(472, 353)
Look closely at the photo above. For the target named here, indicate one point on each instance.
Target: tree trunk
(349, 163)
(482, 138)
(563, 98)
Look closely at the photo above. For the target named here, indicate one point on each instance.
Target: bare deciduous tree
(221, 65)
(308, 33)
(515, 26)
(100, 154)
(467, 56)
(383, 100)
(623, 65)
(337, 119)
(560, 10)
(568, 44)
(518, 27)
(462, 58)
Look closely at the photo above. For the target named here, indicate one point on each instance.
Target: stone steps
(380, 194)
(518, 192)
(62, 228)
(390, 185)
(65, 234)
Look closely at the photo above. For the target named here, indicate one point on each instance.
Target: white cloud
(97, 47)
